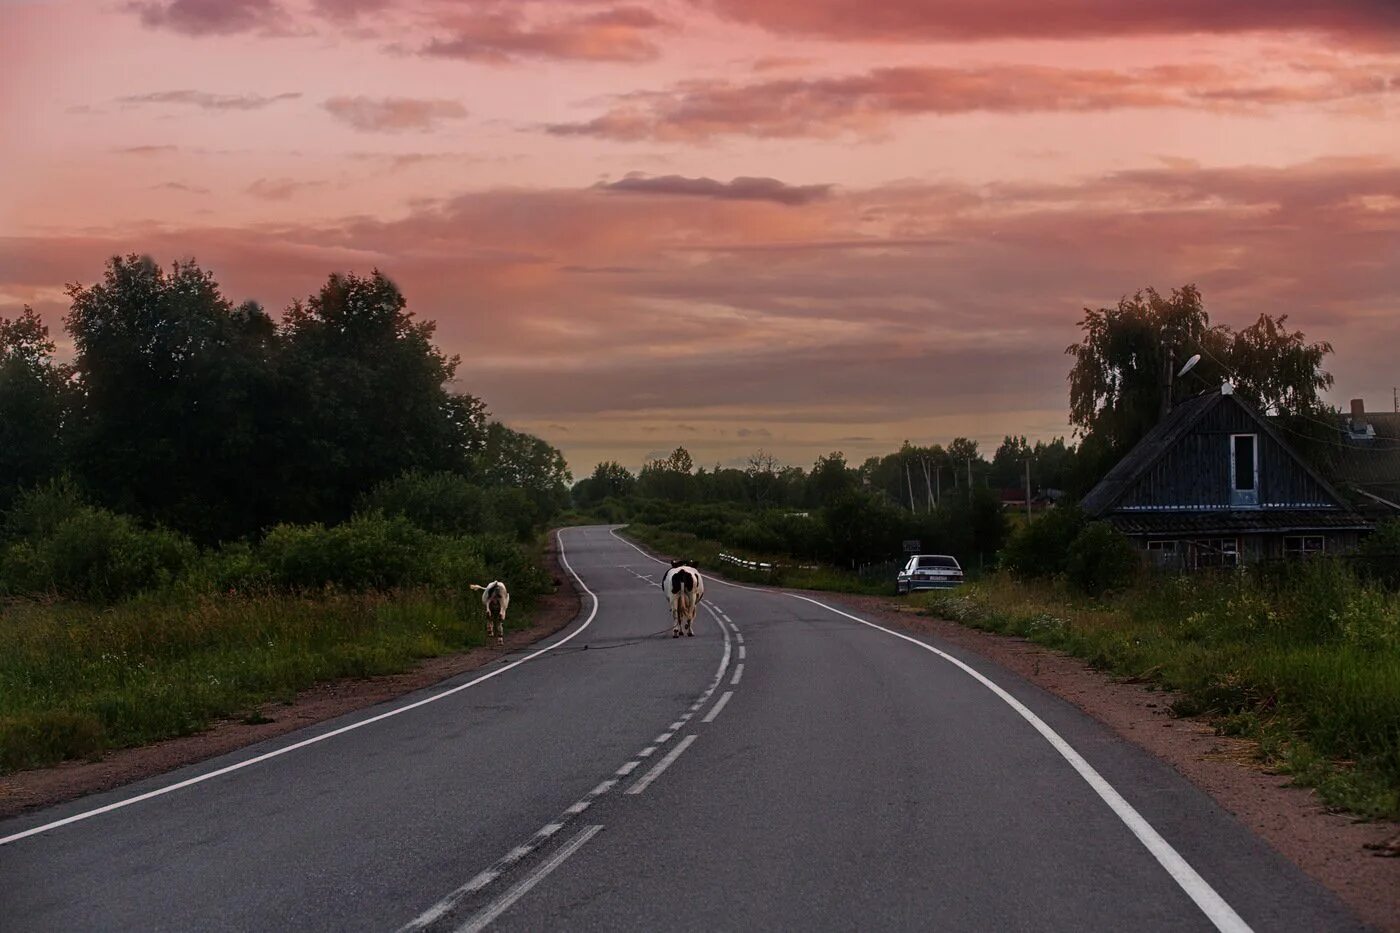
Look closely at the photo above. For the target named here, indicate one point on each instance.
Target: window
(1164, 547)
(944, 563)
(1300, 546)
(1215, 552)
(1244, 470)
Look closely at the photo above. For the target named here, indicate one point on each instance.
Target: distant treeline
(182, 409)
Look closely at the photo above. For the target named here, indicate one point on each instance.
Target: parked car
(928, 572)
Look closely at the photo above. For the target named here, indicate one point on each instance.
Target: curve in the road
(1220, 913)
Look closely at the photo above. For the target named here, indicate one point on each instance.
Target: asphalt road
(789, 767)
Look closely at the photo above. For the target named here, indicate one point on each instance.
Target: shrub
(1041, 547)
(367, 552)
(442, 503)
(1100, 559)
(84, 552)
(1379, 555)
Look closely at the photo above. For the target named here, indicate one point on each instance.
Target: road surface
(789, 767)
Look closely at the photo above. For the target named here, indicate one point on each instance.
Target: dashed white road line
(315, 739)
(742, 650)
(504, 902)
(714, 710)
(738, 672)
(661, 765)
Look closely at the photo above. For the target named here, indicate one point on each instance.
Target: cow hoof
(675, 634)
(691, 634)
(501, 642)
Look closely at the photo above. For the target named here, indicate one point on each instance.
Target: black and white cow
(684, 588)
(496, 598)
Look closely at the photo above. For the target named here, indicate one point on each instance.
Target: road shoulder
(23, 791)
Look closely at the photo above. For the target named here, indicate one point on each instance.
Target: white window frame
(1164, 547)
(1303, 550)
(1227, 550)
(1244, 497)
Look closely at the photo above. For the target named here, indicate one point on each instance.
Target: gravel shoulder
(42, 787)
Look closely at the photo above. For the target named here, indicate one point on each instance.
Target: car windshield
(942, 562)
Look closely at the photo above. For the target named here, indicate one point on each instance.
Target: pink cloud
(393, 114)
(867, 102)
(213, 17)
(923, 20)
(502, 33)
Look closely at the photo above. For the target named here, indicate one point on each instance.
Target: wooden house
(1214, 484)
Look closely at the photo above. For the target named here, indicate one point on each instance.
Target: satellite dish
(1190, 364)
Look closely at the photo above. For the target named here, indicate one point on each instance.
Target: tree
(762, 472)
(1126, 359)
(1009, 462)
(829, 480)
(513, 458)
(1124, 376)
(179, 396)
(371, 399)
(34, 394)
(609, 478)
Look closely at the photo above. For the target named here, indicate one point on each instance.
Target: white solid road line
(504, 902)
(276, 753)
(661, 766)
(1197, 888)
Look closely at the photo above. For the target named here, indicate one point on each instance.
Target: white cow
(684, 588)
(496, 598)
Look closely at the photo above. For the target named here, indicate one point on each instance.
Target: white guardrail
(757, 565)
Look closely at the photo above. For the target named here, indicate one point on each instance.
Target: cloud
(146, 150)
(955, 20)
(502, 33)
(393, 114)
(181, 187)
(738, 313)
(740, 189)
(866, 103)
(279, 189)
(213, 17)
(207, 101)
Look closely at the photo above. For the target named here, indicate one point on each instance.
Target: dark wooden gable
(1184, 465)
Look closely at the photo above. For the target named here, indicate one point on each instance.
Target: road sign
(912, 547)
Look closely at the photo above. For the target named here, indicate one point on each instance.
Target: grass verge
(1308, 666)
(77, 680)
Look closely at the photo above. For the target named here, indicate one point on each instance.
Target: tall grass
(77, 679)
(1304, 658)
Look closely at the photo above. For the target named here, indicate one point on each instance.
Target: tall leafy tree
(830, 480)
(514, 458)
(1124, 377)
(34, 395)
(179, 390)
(371, 396)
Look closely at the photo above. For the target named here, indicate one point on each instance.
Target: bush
(62, 547)
(442, 503)
(368, 552)
(1379, 555)
(1100, 559)
(1041, 547)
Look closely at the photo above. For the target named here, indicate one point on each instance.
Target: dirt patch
(27, 790)
(1347, 857)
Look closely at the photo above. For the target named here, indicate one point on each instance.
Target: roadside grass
(705, 553)
(77, 680)
(1305, 661)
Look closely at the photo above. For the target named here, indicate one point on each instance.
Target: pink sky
(801, 225)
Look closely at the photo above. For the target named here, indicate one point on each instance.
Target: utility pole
(1028, 490)
(938, 482)
(910, 483)
(928, 485)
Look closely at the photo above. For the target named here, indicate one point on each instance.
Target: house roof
(1223, 522)
(1371, 465)
(1146, 452)
(1164, 435)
